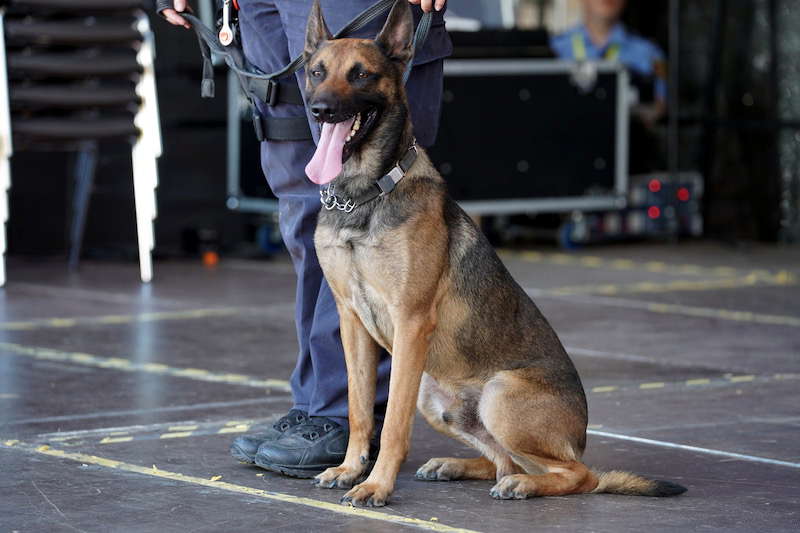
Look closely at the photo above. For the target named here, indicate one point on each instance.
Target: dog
(411, 273)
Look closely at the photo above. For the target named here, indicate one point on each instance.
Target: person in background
(602, 36)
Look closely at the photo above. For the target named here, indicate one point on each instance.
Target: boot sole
(302, 473)
(305, 473)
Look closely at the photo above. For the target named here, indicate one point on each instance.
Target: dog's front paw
(340, 477)
(368, 494)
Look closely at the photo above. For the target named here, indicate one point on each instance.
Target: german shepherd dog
(411, 273)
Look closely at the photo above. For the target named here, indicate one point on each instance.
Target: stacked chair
(74, 76)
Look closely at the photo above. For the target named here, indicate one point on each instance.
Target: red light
(653, 212)
(654, 185)
(683, 194)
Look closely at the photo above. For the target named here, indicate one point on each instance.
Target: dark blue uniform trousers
(273, 33)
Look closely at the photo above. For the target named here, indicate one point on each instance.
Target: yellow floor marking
(193, 372)
(780, 279)
(234, 429)
(118, 433)
(177, 435)
(655, 266)
(562, 259)
(724, 271)
(116, 361)
(236, 377)
(739, 316)
(182, 428)
(628, 264)
(249, 491)
(122, 319)
(591, 261)
(675, 309)
(129, 366)
(155, 367)
(113, 440)
(623, 264)
(723, 381)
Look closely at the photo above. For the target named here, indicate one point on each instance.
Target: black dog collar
(382, 186)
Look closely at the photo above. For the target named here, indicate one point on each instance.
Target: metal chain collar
(330, 201)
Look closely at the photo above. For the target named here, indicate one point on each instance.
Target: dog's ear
(316, 30)
(396, 39)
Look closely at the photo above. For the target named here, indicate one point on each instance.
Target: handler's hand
(173, 17)
(427, 5)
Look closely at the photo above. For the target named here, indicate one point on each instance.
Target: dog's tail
(629, 484)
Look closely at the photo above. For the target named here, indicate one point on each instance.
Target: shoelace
(285, 423)
(317, 430)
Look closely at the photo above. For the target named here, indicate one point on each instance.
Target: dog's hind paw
(452, 468)
(437, 469)
(514, 487)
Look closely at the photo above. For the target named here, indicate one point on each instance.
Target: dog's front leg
(361, 355)
(409, 354)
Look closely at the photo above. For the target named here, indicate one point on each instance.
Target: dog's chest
(358, 273)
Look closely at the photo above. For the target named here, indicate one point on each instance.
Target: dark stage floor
(118, 401)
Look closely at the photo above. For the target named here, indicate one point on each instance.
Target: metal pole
(674, 80)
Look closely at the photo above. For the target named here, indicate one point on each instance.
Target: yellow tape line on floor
(127, 365)
(122, 319)
(674, 309)
(590, 261)
(240, 489)
(780, 279)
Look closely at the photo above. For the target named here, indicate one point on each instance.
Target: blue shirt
(637, 54)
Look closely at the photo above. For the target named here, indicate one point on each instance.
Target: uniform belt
(281, 128)
(272, 92)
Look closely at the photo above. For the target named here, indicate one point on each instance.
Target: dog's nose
(322, 110)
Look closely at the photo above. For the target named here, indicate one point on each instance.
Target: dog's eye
(363, 75)
(316, 73)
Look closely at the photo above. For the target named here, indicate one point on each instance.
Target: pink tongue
(327, 161)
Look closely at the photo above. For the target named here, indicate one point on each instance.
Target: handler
(313, 435)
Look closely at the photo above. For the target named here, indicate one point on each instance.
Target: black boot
(244, 447)
(305, 450)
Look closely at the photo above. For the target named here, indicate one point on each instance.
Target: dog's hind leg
(543, 430)
(447, 414)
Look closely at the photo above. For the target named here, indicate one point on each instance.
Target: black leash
(270, 87)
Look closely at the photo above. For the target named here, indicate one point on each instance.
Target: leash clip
(226, 32)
